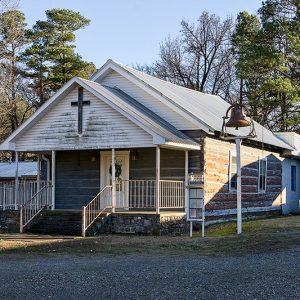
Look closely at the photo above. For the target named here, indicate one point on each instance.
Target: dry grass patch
(259, 236)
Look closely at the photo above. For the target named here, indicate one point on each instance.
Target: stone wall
(9, 221)
(143, 224)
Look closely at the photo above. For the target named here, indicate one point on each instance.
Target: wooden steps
(61, 222)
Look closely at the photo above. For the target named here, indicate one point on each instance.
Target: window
(232, 173)
(293, 178)
(262, 179)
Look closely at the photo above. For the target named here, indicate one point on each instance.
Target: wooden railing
(96, 207)
(26, 190)
(38, 202)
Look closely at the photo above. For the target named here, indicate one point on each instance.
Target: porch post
(157, 179)
(113, 179)
(16, 179)
(53, 156)
(38, 172)
(186, 178)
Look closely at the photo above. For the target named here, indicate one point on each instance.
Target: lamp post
(236, 120)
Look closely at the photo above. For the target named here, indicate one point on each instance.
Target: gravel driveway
(142, 276)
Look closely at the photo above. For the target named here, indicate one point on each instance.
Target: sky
(131, 31)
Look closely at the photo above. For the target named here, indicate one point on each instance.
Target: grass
(259, 236)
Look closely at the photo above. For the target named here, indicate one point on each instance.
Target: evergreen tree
(268, 63)
(51, 59)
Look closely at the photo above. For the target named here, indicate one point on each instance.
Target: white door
(122, 175)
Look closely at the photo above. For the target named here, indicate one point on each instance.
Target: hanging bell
(237, 117)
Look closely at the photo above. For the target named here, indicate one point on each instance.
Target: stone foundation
(143, 224)
(9, 221)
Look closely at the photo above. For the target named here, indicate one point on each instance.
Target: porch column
(38, 172)
(113, 179)
(16, 179)
(157, 179)
(186, 179)
(53, 179)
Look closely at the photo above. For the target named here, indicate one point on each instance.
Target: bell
(237, 118)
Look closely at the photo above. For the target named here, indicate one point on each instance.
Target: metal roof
(142, 113)
(26, 169)
(209, 109)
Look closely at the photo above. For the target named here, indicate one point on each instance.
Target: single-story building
(290, 173)
(157, 134)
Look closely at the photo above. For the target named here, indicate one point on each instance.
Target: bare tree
(200, 58)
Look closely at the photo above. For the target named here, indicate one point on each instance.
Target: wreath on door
(118, 170)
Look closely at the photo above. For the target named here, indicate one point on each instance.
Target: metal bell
(237, 117)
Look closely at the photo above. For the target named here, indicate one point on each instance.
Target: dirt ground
(262, 263)
(259, 236)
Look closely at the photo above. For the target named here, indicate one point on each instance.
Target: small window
(293, 178)
(262, 179)
(232, 173)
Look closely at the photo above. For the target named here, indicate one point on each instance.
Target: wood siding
(103, 127)
(77, 178)
(217, 161)
(172, 164)
(116, 80)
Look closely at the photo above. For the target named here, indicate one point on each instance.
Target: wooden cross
(80, 103)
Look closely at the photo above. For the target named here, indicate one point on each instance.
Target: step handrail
(99, 204)
(32, 207)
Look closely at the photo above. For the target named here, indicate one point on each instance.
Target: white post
(16, 179)
(38, 172)
(239, 185)
(191, 229)
(157, 179)
(113, 179)
(53, 179)
(186, 178)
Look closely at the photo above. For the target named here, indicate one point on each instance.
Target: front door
(122, 175)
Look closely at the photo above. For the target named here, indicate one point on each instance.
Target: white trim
(103, 175)
(53, 162)
(110, 64)
(157, 179)
(262, 191)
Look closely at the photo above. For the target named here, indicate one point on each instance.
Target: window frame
(266, 175)
(231, 154)
(293, 166)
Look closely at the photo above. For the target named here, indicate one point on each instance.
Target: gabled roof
(25, 169)
(205, 108)
(162, 132)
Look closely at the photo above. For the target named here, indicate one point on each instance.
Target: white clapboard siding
(103, 127)
(113, 79)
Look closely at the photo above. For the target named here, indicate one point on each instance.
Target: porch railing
(96, 207)
(142, 194)
(26, 190)
(31, 208)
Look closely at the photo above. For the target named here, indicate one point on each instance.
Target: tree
(268, 54)
(51, 60)
(200, 58)
(14, 104)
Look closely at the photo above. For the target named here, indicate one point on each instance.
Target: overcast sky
(130, 31)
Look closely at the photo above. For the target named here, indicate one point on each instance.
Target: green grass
(259, 236)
